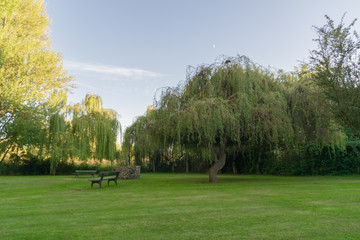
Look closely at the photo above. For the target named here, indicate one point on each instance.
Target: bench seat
(109, 176)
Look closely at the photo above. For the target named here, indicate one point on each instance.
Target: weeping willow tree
(232, 103)
(236, 107)
(59, 140)
(95, 129)
(135, 141)
(139, 140)
(84, 131)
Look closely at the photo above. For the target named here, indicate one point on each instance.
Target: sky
(127, 50)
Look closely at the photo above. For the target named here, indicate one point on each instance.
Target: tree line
(230, 116)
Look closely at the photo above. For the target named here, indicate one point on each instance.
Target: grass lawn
(180, 206)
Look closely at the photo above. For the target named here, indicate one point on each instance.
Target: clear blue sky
(125, 50)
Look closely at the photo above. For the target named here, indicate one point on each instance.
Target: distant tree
(315, 127)
(335, 65)
(32, 81)
(84, 131)
(234, 103)
(139, 141)
(312, 121)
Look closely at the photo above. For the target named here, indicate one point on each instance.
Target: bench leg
(92, 183)
(115, 180)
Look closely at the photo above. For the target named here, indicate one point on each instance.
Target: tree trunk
(53, 170)
(2, 159)
(127, 159)
(138, 161)
(186, 163)
(234, 167)
(218, 164)
(258, 164)
(153, 164)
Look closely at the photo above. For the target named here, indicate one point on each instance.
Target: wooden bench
(109, 176)
(85, 172)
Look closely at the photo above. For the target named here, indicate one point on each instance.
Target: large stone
(129, 172)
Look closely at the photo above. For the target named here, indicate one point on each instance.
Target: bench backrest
(101, 175)
(109, 173)
(85, 171)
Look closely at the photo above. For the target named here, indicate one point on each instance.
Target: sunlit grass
(180, 206)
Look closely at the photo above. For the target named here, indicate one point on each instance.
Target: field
(180, 206)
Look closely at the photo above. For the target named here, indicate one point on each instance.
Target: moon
(213, 46)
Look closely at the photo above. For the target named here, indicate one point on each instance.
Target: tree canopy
(32, 80)
(335, 65)
(220, 105)
(84, 131)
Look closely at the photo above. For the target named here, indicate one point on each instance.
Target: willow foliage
(95, 129)
(236, 105)
(138, 138)
(58, 140)
(84, 131)
(232, 102)
(312, 121)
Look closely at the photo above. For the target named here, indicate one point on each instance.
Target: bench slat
(95, 179)
(84, 172)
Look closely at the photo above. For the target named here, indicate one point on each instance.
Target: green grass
(180, 206)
